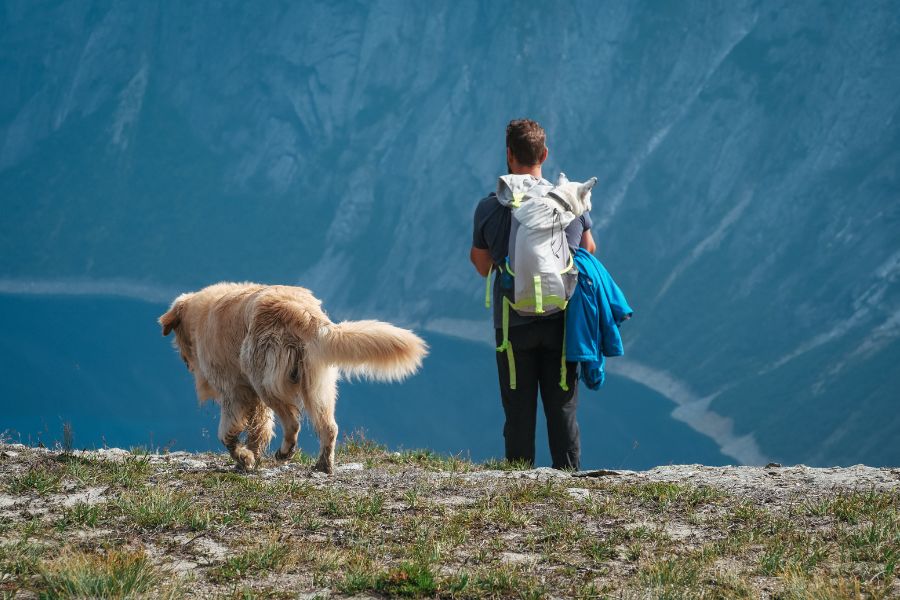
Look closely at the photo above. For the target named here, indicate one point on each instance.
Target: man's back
(492, 225)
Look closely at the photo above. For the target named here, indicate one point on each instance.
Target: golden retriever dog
(256, 349)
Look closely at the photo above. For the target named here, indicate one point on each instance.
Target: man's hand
(481, 258)
(587, 241)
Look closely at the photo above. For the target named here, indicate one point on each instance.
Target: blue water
(101, 366)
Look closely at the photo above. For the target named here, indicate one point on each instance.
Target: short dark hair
(526, 139)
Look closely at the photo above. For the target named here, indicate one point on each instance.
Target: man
(538, 341)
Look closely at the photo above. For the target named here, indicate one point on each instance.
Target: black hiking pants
(537, 348)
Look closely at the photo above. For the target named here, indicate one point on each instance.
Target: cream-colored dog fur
(258, 348)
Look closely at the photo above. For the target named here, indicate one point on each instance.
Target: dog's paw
(325, 466)
(244, 459)
(284, 456)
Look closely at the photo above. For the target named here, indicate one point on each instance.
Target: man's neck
(534, 171)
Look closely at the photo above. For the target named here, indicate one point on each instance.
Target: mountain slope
(748, 157)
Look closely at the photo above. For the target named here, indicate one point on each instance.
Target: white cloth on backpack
(539, 258)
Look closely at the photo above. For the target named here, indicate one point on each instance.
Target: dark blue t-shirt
(491, 233)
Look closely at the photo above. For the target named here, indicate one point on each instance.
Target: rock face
(418, 524)
(748, 158)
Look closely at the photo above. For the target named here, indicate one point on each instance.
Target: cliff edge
(114, 523)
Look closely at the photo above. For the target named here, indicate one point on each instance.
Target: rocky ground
(113, 523)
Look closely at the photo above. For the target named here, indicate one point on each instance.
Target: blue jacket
(595, 311)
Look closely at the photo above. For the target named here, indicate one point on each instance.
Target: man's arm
(587, 241)
(481, 258)
(480, 255)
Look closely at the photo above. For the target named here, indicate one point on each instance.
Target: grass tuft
(410, 580)
(79, 515)
(113, 575)
(40, 479)
(265, 558)
(670, 573)
(20, 558)
(494, 464)
(163, 509)
(355, 446)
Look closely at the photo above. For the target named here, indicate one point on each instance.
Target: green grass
(264, 558)
(80, 515)
(356, 447)
(20, 558)
(504, 512)
(634, 551)
(264, 593)
(603, 506)
(854, 507)
(46, 476)
(665, 494)
(334, 505)
(418, 580)
(669, 574)
(408, 580)
(307, 522)
(494, 464)
(237, 496)
(131, 472)
(128, 472)
(798, 554)
(559, 531)
(156, 508)
(503, 582)
(40, 479)
(878, 541)
(433, 461)
(599, 551)
(113, 575)
(819, 587)
(302, 458)
(368, 506)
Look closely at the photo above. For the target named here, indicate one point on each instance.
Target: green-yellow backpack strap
(538, 295)
(487, 287)
(563, 371)
(505, 346)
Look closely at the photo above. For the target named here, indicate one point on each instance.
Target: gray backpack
(539, 259)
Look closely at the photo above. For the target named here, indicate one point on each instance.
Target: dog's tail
(372, 349)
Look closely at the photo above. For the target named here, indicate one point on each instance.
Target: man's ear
(544, 155)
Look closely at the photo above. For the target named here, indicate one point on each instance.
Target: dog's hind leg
(260, 430)
(320, 395)
(273, 362)
(289, 415)
(235, 415)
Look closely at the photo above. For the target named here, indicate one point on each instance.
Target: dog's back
(248, 343)
(224, 330)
